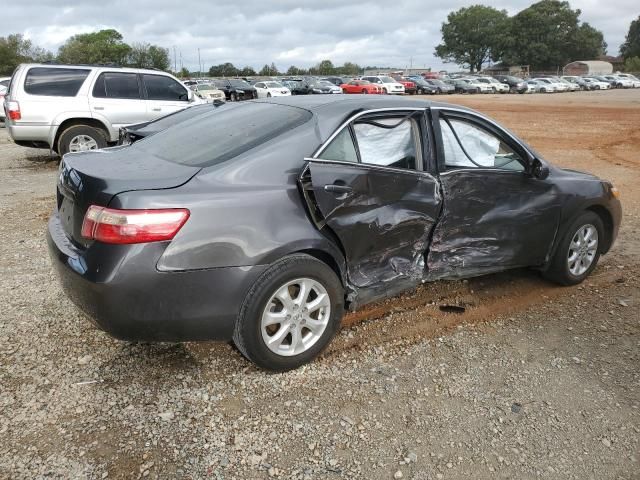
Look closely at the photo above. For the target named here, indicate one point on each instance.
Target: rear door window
(389, 142)
(117, 85)
(55, 82)
(223, 133)
(161, 87)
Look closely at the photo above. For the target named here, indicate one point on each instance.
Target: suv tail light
(109, 225)
(13, 109)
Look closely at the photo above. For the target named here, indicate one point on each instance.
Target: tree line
(103, 47)
(325, 67)
(546, 35)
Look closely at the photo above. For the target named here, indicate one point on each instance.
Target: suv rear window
(223, 133)
(55, 82)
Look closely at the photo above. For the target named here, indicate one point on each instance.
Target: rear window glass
(223, 133)
(117, 85)
(56, 82)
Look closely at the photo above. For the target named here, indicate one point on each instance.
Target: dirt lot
(533, 380)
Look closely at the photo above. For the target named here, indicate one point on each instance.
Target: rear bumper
(120, 289)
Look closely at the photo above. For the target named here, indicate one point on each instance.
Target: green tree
(293, 70)
(473, 35)
(144, 55)
(266, 71)
(350, 68)
(248, 72)
(632, 64)
(548, 34)
(224, 70)
(184, 73)
(15, 49)
(105, 46)
(325, 67)
(631, 45)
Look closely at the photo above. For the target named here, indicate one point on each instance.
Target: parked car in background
(579, 81)
(408, 84)
(634, 80)
(541, 87)
(595, 84)
(209, 93)
(337, 80)
(297, 86)
(516, 84)
(619, 82)
(236, 89)
(362, 87)
(496, 86)
(480, 86)
(174, 240)
(71, 108)
(463, 86)
(571, 86)
(271, 89)
(423, 86)
(323, 87)
(388, 84)
(4, 85)
(441, 86)
(552, 85)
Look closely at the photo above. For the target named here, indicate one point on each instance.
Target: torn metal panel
(382, 217)
(492, 220)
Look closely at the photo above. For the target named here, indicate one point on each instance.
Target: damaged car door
(497, 213)
(370, 186)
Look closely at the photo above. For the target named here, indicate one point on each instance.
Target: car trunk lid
(95, 177)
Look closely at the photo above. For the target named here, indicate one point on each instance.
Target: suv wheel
(233, 97)
(81, 138)
(290, 314)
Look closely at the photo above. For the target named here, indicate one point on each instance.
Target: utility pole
(410, 62)
(175, 61)
(199, 65)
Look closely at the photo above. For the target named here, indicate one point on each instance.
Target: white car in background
(388, 84)
(541, 87)
(634, 80)
(620, 82)
(496, 85)
(557, 86)
(271, 89)
(481, 86)
(597, 84)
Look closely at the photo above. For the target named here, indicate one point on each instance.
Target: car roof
(97, 67)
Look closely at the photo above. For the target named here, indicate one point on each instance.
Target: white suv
(388, 84)
(69, 108)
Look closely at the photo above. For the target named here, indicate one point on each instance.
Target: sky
(386, 33)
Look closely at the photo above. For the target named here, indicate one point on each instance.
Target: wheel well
(91, 122)
(607, 220)
(326, 258)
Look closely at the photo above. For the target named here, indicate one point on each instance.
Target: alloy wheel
(582, 250)
(82, 143)
(295, 317)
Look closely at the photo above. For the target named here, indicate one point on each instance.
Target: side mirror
(539, 170)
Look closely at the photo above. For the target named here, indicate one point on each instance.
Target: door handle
(157, 109)
(339, 189)
(98, 108)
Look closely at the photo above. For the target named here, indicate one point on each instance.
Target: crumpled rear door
(383, 218)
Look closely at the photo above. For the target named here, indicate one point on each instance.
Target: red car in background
(409, 86)
(361, 86)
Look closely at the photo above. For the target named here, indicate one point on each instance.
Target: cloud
(288, 32)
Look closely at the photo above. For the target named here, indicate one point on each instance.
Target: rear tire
(561, 270)
(81, 138)
(263, 301)
(364, 91)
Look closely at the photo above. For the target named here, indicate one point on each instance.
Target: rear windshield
(56, 82)
(223, 133)
(174, 118)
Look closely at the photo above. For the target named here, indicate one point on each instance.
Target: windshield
(273, 85)
(222, 133)
(206, 87)
(325, 83)
(387, 80)
(239, 83)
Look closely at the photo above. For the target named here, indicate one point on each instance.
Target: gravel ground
(532, 381)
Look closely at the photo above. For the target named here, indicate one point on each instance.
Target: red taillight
(109, 225)
(13, 109)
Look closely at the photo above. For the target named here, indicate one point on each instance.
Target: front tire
(80, 138)
(290, 314)
(578, 252)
